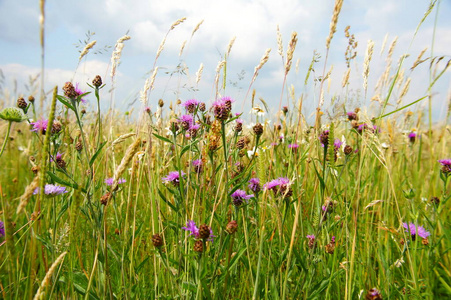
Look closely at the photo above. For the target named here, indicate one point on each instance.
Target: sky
(253, 24)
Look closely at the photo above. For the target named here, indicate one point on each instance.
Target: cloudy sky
(253, 23)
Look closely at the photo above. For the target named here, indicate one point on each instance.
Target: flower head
(191, 226)
(446, 163)
(52, 190)
(239, 196)
(109, 181)
(337, 144)
(191, 105)
(254, 185)
(173, 177)
(294, 147)
(198, 165)
(412, 136)
(280, 186)
(222, 108)
(40, 126)
(351, 115)
(415, 230)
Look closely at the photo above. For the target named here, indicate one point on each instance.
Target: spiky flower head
(191, 105)
(97, 81)
(294, 147)
(195, 231)
(254, 185)
(197, 165)
(239, 196)
(173, 177)
(280, 186)
(352, 116)
(373, 294)
(232, 227)
(446, 166)
(412, 137)
(157, 241)
(222, 108)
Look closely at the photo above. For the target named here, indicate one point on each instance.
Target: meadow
(191, 200)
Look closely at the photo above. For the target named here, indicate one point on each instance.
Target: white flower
(258, 111)
(398, 263)
(251, 153)
(385, 145)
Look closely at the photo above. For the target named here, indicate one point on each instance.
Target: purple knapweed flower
(40, 126)
(186, 121)
(415, 230)
(337, 144)
(222, 108)
(351, 115)
(446, 166)
(239, 196)
(294, 147)
(412, 136)
(280, 185)
(52, 190)
(173, 177)
(191, 226)
(191, 105)
(311, 240)
(2, 229)
(57, 157)
(362, 127)
(324, 138)
(197, 165)
(80, 92)
(311, 237)
(109, 181)
(254, 185)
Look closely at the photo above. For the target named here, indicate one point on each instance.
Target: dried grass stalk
(131, 150)
(419, 61)
(148, 85)
(346, 77)
(366, 64)
(263, 61)
(122, 138)
(279, 42)
(290, 51)
(334, 21)
(46, 281)
(116, 56)
(86, 49)
(229, 47)
(181, 48)
(178, 22)
(29, 190)
(197, 27)
(199, 73)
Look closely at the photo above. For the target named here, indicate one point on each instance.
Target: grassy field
(192, 201)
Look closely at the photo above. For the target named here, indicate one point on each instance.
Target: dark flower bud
(157, 241)
(160, 103)
(347, 150)
(373, 294)
(199, 246)
(21, 103)
(204, 232)
(258, 129)
(31, 99)
(105, 198)
(69, 90)
(97, 81)
(232, 227)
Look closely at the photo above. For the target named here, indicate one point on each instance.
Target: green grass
(97, 242)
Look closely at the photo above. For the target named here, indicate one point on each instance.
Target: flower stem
(6, 138)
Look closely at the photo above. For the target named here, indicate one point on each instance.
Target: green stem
(6, 138)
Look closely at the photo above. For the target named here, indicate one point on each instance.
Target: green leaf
(64, 182)
(93, 158)
(64, 101)
(162, 138)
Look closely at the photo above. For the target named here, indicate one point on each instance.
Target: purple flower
(254, 185)
(239, 121)
(191, 105)
(2, 229)
(173, 177)
(362, 127)
(109, 181)
(239, 196)
(351, 115)
(52, 190)
(222, 108)
(324, 138)
(294, 147)
(80, 92)
(198, 165)
(186, 121)
(191, 226)
(280, 185)
(311, 237)
(446, 163)
(40, 126)
(311, 241)
(58, 156)
(415, 230)
(337, 144)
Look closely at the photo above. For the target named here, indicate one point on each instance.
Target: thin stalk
(6, 137)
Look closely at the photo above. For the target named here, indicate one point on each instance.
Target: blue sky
(252, 22)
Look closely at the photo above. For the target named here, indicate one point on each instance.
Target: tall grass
(296, 210)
